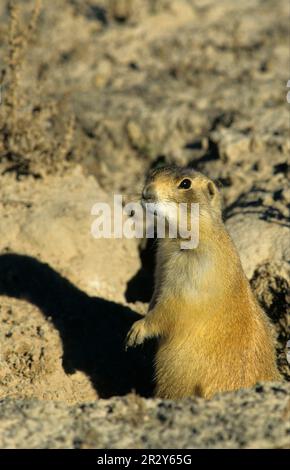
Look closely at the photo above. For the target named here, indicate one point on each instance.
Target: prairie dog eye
(185, 184)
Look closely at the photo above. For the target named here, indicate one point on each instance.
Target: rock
(133, 422)
(258, 241)
(233, 146)
(259, 228)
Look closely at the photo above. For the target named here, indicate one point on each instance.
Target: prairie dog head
(181, 195)
(182, 185)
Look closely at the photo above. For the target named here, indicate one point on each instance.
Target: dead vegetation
(29, 124)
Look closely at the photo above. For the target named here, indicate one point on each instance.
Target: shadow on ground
(140, 287)
(92, 329)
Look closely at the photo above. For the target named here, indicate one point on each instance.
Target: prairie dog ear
(211, 189)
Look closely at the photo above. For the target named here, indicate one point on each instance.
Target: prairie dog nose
(148, 193)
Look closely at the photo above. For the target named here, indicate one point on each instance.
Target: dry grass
(66, 144)
(28, 143)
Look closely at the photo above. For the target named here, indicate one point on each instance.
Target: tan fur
(213, 336)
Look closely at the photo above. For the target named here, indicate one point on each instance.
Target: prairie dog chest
(185, 272)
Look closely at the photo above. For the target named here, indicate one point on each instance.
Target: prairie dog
(212, 334)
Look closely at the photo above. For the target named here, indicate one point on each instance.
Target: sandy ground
(105, 90)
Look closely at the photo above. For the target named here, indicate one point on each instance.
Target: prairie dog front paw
(136, 334)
